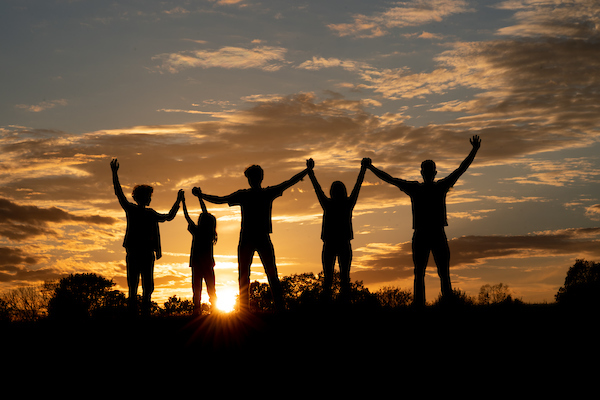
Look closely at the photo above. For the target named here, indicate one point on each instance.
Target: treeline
(90, 295)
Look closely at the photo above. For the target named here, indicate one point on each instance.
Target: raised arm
(197, 192)
(114, 166)
(318, 190)
(476, 143)
(213, 199)
(171, 215)
(185, 212)
(295, 179)
(202, 205)
(359, 180)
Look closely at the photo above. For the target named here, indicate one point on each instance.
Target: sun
(226, 300)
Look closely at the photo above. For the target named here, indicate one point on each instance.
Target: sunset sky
(189, 93)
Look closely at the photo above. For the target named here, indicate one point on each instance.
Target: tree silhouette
(302, 289)
(494, 294)
(4, 311)
(83, 295)
(27, 303)
(582, 284)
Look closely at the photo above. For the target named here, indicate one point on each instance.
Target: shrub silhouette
(306, 290)
(176, 306)
(394, 297)
(459, 298)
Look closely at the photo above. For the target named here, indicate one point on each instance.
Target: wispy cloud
(410, 13)
(559, 173)
(42, 106)
(268, 58)
(176, 11)
(228, 2)
(593, 212)
(576, 19)
(319, 62)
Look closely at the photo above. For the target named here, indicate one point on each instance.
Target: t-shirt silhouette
(142, 231)
(428, 201)
(337, 219)
(256, 206)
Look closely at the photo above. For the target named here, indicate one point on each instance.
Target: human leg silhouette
(266, 252)
(441, 256)
(133, 275)
(328, 257)
(197, 289)
(424, 243)
(420, 254)
(140, 264)
(147, 274)
(209, 278)
(245, 254)
(345, 259)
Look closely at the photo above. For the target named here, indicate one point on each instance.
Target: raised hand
(310, 163)
(366, 162)
(114, 165)
(196, 191)
(475, 142)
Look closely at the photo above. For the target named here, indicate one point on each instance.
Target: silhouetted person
(142, 237)
(429, 219)
(256, 205)
(202, 262)
(336, 229)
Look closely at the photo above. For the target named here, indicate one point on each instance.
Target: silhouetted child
(202, 262)
(142, 237)
(428, 199)
(336, 230)
(255, 234)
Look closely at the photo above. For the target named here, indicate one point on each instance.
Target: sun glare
(226, 300)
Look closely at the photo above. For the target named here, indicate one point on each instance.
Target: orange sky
(188, 94)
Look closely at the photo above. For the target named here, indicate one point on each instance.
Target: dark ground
(526, 349)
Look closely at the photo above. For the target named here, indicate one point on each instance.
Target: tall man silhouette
(256, 205)
(428, 200)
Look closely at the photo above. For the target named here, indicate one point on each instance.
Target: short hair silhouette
(256, 226)
(428, 200)
(255, 174)
(142, 194)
